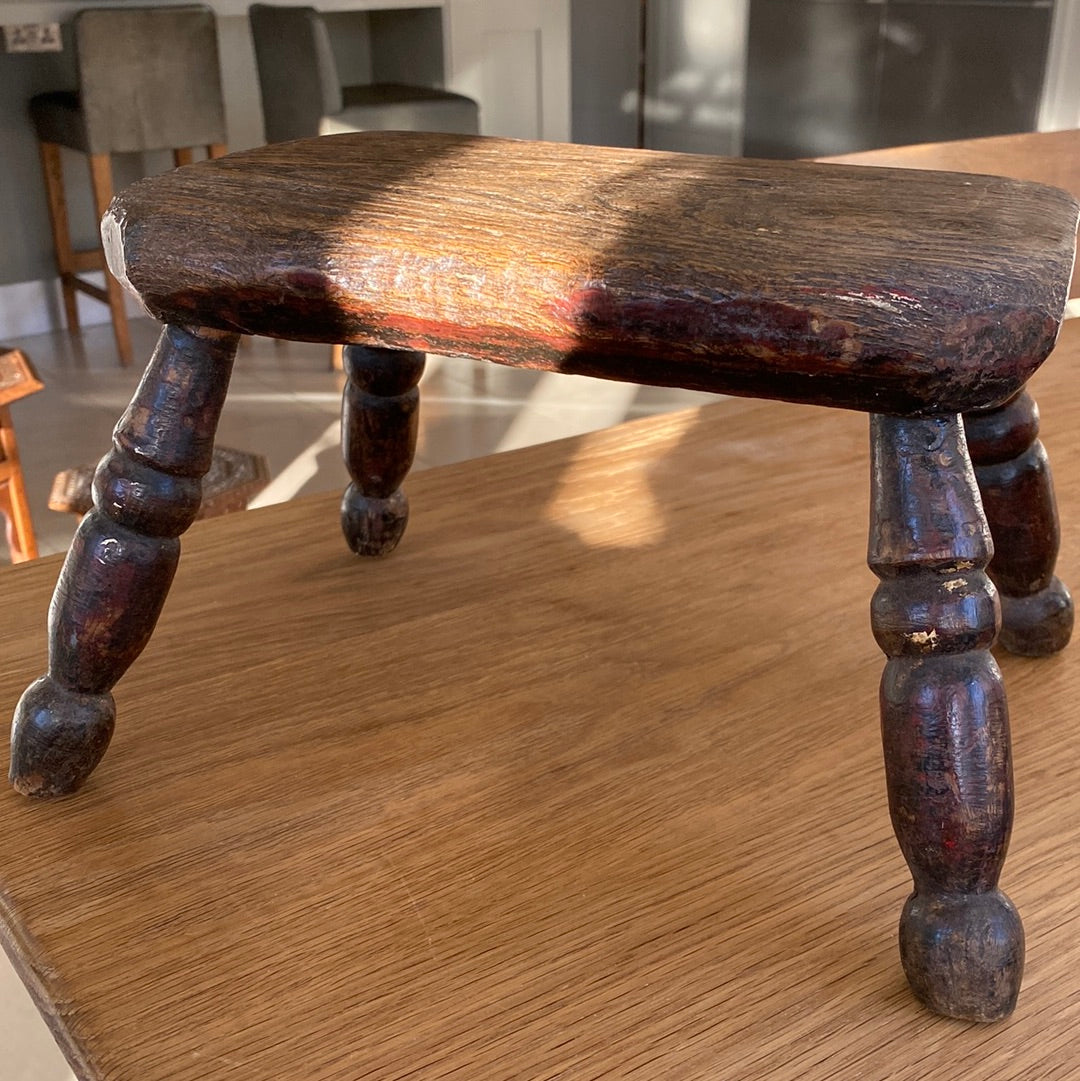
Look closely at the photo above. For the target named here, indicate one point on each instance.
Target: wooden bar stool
(915, 297)
(17, 380)
(149, 79)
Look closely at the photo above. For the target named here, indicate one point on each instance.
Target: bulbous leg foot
(57, 738)
(373, 526)
(963, 953)
(1037, 625)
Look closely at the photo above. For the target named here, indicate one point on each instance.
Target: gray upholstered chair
(149, 79)
(302, 94)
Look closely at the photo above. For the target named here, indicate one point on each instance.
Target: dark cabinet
(811, 77)
(833, 76)
(960, 70)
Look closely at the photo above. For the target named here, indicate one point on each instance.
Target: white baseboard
(36, 307)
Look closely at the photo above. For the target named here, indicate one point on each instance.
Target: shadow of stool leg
(379, 423)
(944, 717)
(117, 574)
(1018, 496)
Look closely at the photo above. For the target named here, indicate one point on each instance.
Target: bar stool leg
(379, 419)
(101, 182)
(944, 717)
(117, 574)
(13, 502)
(1018, 495)
(52, 168)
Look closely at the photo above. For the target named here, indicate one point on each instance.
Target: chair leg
(379, 420)
(944, 717)
(1018, 495)
(17, 529)
(13, 502)
(52, 168)
(101, 182)
(117, 574)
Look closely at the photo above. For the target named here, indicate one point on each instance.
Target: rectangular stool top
(889, 290)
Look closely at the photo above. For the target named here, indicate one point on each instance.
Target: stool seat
(892, 290)
(235, 477)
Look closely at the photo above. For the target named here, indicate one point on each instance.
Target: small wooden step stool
(927, 300)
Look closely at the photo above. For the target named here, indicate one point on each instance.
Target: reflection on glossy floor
(283, 403)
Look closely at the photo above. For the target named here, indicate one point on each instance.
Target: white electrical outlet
(33, 38)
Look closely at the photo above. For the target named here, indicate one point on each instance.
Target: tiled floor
(283, 403)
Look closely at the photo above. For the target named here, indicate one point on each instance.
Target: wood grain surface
(903, 292)
(1047, 157)
(585, 781)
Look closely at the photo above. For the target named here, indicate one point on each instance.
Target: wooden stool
(149, 79)
(915, 297)
(17, 380)
(234, 478)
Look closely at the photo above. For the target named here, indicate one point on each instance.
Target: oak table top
(579, 783)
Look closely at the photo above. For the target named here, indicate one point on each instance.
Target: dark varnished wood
(121, 563)
(379, 423)
(1017, 490)
(1047, 157)
(944, 717)
(892, 291)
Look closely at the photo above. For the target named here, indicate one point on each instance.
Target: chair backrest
(149, 78)
(298, 76)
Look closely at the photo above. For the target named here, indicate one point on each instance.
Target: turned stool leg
(944, 717)
(121, 563)
(1018, 496)
(379, 418)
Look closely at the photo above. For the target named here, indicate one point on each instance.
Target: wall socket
(33, 38)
